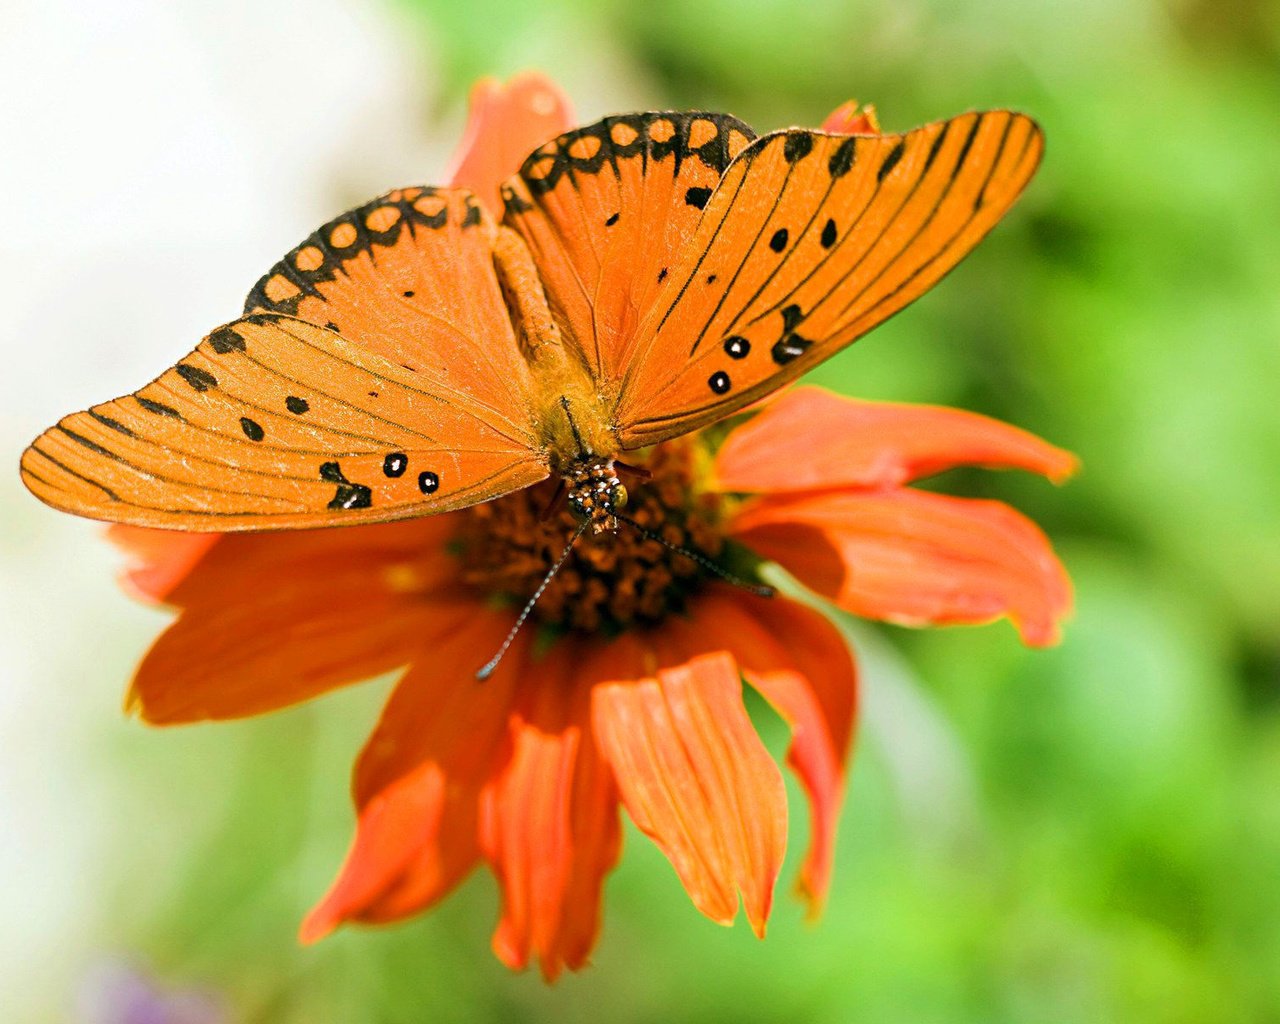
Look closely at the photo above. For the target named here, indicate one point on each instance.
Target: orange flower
(630, 692)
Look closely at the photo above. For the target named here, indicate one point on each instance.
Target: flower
(629, 694)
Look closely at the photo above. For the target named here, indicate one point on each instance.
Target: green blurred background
(1086, 834)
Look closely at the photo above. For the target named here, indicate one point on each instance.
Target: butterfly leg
(639, 472)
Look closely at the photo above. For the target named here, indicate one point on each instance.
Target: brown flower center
(611, 580)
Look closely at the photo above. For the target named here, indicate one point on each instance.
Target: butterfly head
(596, 494)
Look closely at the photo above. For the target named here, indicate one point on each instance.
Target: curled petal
(802, 666)
(158, 560)
(696, 779)
(420, 777)
(915, 558)
(811, 439)
(505, 124)
(267, 625)
(852, 118)
(550, 823)
(414, 842)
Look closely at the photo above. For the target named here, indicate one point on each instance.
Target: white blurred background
(158, 157)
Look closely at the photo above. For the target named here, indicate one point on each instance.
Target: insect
(652, 273)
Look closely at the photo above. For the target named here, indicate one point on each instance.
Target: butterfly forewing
(809, 242)
(605, 210)
(273, 422)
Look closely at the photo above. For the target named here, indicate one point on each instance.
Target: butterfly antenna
(758, 589)
(492, 663)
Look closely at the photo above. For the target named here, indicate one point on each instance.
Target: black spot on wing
(115, 425)
(297, 405)
(891, 161)
(252, 429)
(828, 237)
(225, 340)
(791, 347)
(201, 380)
(841, 161)
(348, 495)
(698, 197)
(797, 147)
(158, 408)
(779, 240)
(351, 496)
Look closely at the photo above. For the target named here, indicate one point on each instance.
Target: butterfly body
(571, 411)
(652, 273)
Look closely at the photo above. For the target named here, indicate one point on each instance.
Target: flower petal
(802, 665)
(852, 118)
(914, 558)
(414, 842)
(264, 625)
(811, 439)
(550, 821)
(408, 557)
(158, 560)
(505, 124)
(696, 779)
(420, 776)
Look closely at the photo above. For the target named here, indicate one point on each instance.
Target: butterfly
(652, 273)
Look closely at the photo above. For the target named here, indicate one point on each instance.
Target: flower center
(612, 579)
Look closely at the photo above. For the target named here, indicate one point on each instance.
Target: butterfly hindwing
(273, 422)
(410, 276)
(605, 208)
(810, 241)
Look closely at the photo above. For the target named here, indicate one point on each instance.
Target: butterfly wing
(410, 276)
(809, 241)
(376, 377)
(274, 422)
(605, 210)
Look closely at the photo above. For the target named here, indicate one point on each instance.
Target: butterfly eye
(619, 497)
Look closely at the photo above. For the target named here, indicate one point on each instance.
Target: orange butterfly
(654, 272)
